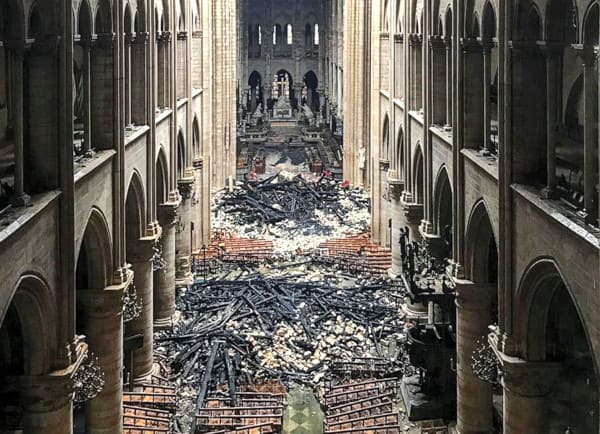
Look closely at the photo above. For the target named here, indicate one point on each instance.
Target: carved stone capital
(105, 40)
(471, 45)
(198, 163)
(426, 228)
(587, 53)
(143, 249)
(384, 164)
(527, 379)
(186, 186)
(153, 230)
(396, 186)
(472, 296)
(167, 213)
(141, 38)
(437, 42)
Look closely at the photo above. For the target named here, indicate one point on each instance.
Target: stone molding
(525, 378)
(472, 296)
(396, 187)
(186, 186)
(167, 213)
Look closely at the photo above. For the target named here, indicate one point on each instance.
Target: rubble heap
(286, 206)
(293, 322)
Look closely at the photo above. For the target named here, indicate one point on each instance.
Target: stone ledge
(89, 166)
(19, 217)
(554, 211)
(487, 166)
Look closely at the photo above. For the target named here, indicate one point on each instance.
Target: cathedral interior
(299, 216)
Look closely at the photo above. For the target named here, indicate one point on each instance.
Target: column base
(163, 324)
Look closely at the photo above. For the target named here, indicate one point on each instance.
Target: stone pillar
(140, 75)
(164, 288)
(412, 214)
(185, 232)
(395, 188)
(128, 79)
(589, 138)
(17, 57)
(473, 95)
(526, 387)
(140, 257)
(103, 311)
(47, 405)
(551, 122)
(474, 396)
(87, 96)
(384, 227)
(439, 82)
(449, 83)
(487, 102)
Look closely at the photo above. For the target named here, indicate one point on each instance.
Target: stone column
(395, 188)
(103, 310)
(184, 235)
(47, 405)
(17, 58)
(128, 79)
(472, 95)
(140, 74)
(526, 387)
(551, 122)
(87, 96)
(449, 83)
(140, 257)
(474, 396)
(164, 288)
(487, 103)
(589, 137)
(384, 228)
(412, 214)
(439, 82)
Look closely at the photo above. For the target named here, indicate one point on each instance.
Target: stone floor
(303, 414)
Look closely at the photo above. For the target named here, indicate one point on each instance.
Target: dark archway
(256, 95)
(560, 17)
(196, 138)
(419, 177)
(180, 155)
(27, 339)
(281, 88)
(92, 275)
(161, 178)
(384, 150)
(591, 31)
(442, 210)
(551, 327)
(311, 84)
(400, 154)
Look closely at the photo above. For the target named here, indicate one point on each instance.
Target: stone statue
(362, 158)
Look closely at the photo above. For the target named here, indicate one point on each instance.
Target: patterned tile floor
(303, 414)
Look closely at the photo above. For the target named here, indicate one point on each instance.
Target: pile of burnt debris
(293, 322)
(285, 205)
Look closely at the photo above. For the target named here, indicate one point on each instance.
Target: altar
(282, 108)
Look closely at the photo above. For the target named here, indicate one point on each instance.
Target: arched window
(316, 34)
(275, 35)
(259, 35)
(290, 36)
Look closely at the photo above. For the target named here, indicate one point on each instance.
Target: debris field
(291, 292)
